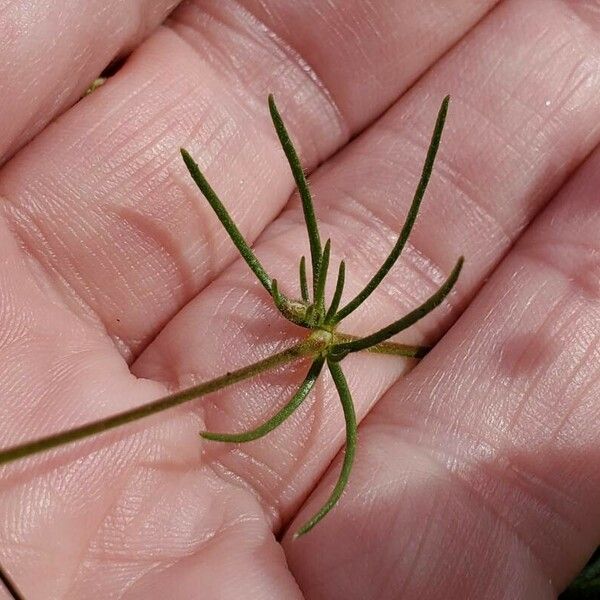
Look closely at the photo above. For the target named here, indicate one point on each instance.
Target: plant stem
(390, 348)
(307, 347)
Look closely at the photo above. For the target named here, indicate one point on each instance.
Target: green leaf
(303, 281)
(337, 295)
(410, 218)
(320, 291)
(339, 351)
(278, 418)
(223, 215)
(351, 438)
(303, 189)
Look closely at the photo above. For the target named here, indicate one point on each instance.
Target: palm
(475, 475)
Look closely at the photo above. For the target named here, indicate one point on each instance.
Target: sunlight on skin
(138, 510)
(37, 84)
(505, 458)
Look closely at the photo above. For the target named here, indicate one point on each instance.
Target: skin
(476, 474)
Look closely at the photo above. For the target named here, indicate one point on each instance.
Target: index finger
(51, 52)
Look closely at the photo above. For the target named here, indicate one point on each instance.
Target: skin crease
(476, 472)
(50, 51)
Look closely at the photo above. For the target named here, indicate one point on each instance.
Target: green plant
(324, 344)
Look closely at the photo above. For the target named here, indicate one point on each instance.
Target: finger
(477, 475)
(56, 372)
(124, 514)
(121, 482)
(52, 51)
(102, 201)
(479, 201)
(413, 37)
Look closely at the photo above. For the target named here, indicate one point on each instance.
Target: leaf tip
(273, 109)
(302, 531)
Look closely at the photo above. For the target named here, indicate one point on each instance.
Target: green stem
(305, 348)
(390, 348)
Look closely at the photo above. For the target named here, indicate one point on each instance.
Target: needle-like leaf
(279, 417)
(339, 351)
(223, 215)
(410, 218)
(277, 297)
(389, 348)
(303, 189)
(320, 291)
(10, 585)
(337, 295)
(351, 437)
(303, 281)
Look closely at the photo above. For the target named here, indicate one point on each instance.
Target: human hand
(475, 475)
